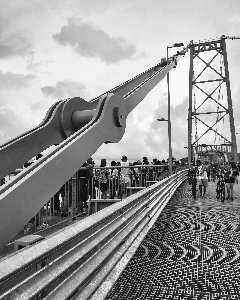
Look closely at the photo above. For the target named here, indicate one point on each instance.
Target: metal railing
(85, 259)
(71, 200)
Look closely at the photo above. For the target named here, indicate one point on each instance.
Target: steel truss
(194, 113)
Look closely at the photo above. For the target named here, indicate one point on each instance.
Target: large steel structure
(79, 128)
(209, 86)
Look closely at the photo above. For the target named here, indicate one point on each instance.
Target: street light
(162, 119)
(177, 45)
(169, 111)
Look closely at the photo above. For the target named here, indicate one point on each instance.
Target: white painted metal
(93, 251)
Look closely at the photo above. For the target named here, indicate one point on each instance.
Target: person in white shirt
(125, 180)
(113, 180)
(202, 177)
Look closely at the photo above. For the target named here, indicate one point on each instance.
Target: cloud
(158, 138)
(17, 36)
(12, 81)
(64, 89)
(145, 136)
(90, 41)
(13, 45)
(11, 129)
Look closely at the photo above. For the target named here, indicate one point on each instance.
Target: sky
(53, 50)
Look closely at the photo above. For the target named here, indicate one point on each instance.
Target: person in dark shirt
(113, 180)
(230, 173)
(192, 179)
(103, 177)
(91, 187)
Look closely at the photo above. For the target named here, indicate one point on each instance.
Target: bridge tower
(210, 102)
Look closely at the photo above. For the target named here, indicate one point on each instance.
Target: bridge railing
(71, 200)
(85, 259)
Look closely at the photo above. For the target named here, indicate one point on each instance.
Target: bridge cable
(196, 123)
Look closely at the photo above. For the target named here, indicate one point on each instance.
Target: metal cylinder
(81, 118)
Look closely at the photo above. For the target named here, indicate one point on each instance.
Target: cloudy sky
(53, 50)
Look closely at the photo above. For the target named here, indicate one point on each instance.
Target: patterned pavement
(193, 252)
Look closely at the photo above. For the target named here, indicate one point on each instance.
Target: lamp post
(169, 111)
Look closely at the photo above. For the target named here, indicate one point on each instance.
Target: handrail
(134, 166)
(60, 266)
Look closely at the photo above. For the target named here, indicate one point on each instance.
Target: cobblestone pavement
(193, 252)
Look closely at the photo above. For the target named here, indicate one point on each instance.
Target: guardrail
(70, 201)
(85, 259)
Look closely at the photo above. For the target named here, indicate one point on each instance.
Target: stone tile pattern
(192, 252)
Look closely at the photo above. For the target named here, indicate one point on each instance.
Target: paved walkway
(193, 252)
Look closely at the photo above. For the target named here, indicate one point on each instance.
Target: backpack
(235, 172)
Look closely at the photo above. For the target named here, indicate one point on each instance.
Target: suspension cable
(196, 123)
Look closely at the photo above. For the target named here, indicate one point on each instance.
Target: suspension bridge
(156, 242)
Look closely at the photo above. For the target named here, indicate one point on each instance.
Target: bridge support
(208, 82)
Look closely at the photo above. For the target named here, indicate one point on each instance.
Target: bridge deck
(193, 252)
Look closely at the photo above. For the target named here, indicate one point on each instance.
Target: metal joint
(118, 116)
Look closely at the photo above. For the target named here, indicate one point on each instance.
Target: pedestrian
(136, 172)
(230, 173)
(90, 177)
(202, 177)
(125, 180)
(145, 171)
(192, 179)
(214, 172)
(235, 171)
(103, 177)
(113, 180)
(208, 170)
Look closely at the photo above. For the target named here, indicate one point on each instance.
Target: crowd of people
(113, 180)
(202, 173)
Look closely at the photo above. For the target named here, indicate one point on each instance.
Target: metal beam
(229, 99)
(220, 47)
(190, 113)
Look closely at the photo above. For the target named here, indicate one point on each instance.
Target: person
(230, 173)
(135, 179)
(103, 179)
(90, 177)
(28, 163)
(202, 177)
(220, 189)
(125, 180)
(208, 170)
(150, 171)
(145, 171)
(238, 166)
(113, 180)
(138, 172)
(192, 179)
(83, 178)
(55, 204)
(157, 170)
(66, 195)
(40, 155)
(235, 171)
(214, 172)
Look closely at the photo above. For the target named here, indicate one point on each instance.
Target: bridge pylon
(210, 101)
